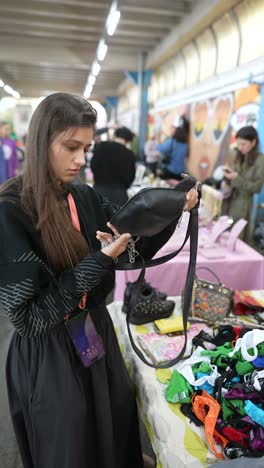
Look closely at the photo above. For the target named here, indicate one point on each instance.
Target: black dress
(113, 167)
(65, 415)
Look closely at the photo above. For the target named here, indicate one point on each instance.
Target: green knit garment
(228, 408)
(179, 390)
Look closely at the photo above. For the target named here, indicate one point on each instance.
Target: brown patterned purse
(211, 301)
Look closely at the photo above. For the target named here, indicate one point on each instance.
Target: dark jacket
(34, 297)
(113, 166)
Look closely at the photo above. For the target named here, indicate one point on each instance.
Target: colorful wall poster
(213, 126)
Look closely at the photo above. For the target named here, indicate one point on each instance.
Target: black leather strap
(155, 261)
(192, 232)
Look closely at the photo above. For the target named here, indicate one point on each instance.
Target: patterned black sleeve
(34, 298)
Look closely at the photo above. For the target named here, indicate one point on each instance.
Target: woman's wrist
(105, 260)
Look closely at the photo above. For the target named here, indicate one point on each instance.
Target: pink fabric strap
(76, 224)
(74, 213)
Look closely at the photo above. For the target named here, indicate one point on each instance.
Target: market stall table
(176, 441)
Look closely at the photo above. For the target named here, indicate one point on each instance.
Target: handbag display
(147, 213)
(211, 302)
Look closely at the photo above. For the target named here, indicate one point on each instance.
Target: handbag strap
(155, 261)
(210, 271)
(193, 233)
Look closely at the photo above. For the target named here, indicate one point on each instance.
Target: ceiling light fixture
(102, 49)
(91, 80)
(9, 90)
(96, 68)
(112, 21)
(88, 89)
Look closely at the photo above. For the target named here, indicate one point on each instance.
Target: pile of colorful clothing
(223, 389)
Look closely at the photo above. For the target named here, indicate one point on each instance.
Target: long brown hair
(41, 196)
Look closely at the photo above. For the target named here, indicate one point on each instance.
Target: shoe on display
(151, 304)
(146, 289)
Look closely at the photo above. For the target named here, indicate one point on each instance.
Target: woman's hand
(230, 175)
(191, 199)
(113, 246)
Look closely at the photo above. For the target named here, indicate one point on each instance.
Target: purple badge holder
(85, 338)
(80, 327)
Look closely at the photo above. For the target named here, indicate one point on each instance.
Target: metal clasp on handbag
(131, 249)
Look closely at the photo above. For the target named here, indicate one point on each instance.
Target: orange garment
(207, 409)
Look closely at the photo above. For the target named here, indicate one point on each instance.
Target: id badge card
(87, 342)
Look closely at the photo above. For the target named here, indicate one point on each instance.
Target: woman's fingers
(116, 233)
(104, 236)
(117, 247)
(191, 199)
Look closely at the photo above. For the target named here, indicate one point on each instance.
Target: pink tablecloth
(242, 269)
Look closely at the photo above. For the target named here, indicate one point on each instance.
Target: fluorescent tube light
(91, 80)
(102, 49)
(112, 22)
(8, 89)
(96, 68)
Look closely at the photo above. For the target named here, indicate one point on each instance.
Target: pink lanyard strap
(74, 213)
(76, 224)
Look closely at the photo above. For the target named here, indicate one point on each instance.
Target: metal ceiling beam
(37, 52)
(141, 43)
(26, 52)
(169, 4)
(149, 22)
(51, 35)
(99, 4)
(17, 10)
(172, 9)
(30, 90)
(17, 21)
(70, 27)
(173, 12)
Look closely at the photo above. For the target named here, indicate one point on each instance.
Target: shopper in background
(113, 166)
(175, 151)
(10, 150)
(244, 178)
(152, 155)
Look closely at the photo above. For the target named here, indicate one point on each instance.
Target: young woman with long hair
(65, 414)
(244, 178)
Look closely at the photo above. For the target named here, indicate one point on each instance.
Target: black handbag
(152, 209)
(147, 213)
